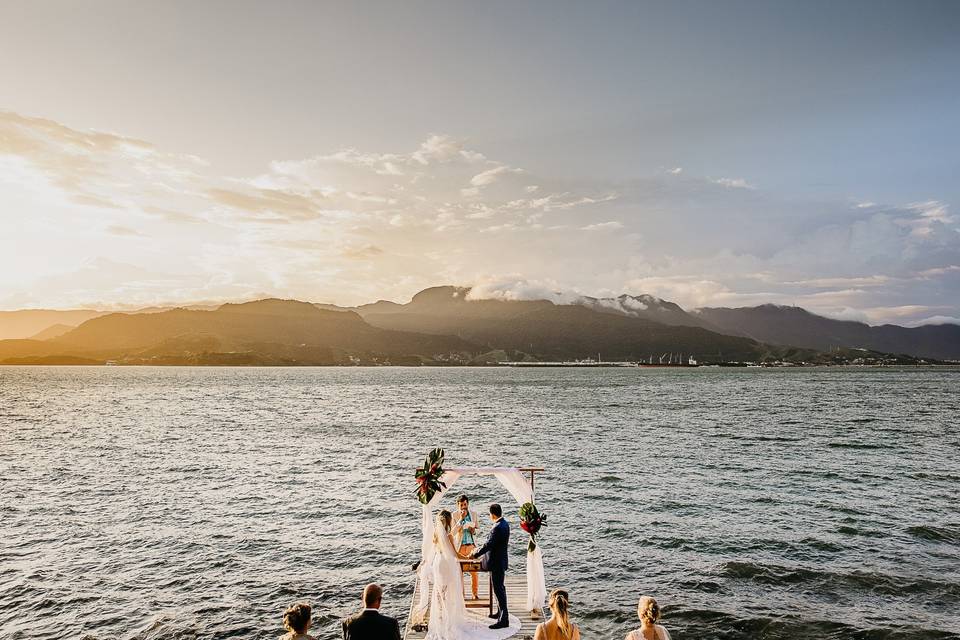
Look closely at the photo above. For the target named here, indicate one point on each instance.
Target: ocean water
(183, 503)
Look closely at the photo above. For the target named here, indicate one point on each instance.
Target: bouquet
(428, 477)
(530, 521)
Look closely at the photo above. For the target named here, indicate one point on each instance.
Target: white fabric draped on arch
(514, 482)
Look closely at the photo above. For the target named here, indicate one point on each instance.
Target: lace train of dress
(449, 618)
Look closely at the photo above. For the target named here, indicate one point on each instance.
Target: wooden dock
(516, 600)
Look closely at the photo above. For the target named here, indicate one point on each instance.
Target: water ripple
(176, 503)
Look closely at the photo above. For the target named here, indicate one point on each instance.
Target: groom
(495, 550)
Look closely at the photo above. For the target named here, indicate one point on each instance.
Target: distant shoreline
(941, 365)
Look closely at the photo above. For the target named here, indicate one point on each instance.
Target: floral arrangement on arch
(531, 521)
(428, 476)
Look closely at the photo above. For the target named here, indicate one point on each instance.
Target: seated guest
(649, 612)
(296, 620)
(558, 627)
(370, 624)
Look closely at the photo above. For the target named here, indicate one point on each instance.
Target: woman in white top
(649, 612)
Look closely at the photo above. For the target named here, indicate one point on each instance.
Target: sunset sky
(710, 153)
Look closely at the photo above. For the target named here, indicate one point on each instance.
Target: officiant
(464, 535)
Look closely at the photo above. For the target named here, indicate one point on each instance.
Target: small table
(470, 565)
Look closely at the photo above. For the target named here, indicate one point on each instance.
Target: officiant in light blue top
(464, 535)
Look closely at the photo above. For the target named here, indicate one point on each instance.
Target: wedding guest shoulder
(558, 627)
(296, 620)
(649, 613)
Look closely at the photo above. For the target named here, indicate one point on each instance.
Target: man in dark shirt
(370, 624)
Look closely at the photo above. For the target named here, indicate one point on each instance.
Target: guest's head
(372, 596)
(648, 610)
(496, 512)
(445, 519)
(297, 618)
(463, 502)
(560, 608)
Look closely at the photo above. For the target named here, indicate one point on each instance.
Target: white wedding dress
(449, 617)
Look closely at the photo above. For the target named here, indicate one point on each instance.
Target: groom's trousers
(497, 577)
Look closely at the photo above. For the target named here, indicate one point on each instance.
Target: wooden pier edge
(516, 601)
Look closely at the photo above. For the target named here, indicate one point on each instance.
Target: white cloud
(687, 291)
(489, 176)
(734, 183)
(928, 218)
(847, 313)
(120, 230)
(934, 320)
(441, 148)
(857, 281)
(354, 225)
(603, 226)
(519, 288)
(939, 271)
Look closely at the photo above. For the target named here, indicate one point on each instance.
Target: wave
(720, 547)
(822, 545)
(872, 581)
(864, 533)
(946, 533)
(708, 623)
(749, 438)
(858, 445)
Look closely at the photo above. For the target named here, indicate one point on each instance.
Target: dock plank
(516, 598)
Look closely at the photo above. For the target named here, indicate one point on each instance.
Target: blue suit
(494, 551)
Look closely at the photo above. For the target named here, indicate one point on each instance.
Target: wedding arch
(513, 480)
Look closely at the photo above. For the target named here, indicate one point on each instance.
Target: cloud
(120, 230)
(364, 252)
(734, 183)
(603, 226)
(519, 288)
(170, 216)
(688, 291)
(443, 148)
(93, 168)
(847, 313)
(351, 225)
(934, 320)
(930, 217)
(489, 176)
(268, 204)
(939, 271)
(858, 281)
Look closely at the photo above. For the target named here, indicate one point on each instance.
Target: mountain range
(442, 325)
(795, 326)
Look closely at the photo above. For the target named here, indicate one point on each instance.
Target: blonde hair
(297, 618)
(560, 606)
(648, 610)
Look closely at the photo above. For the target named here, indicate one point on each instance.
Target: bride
(449, 619)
